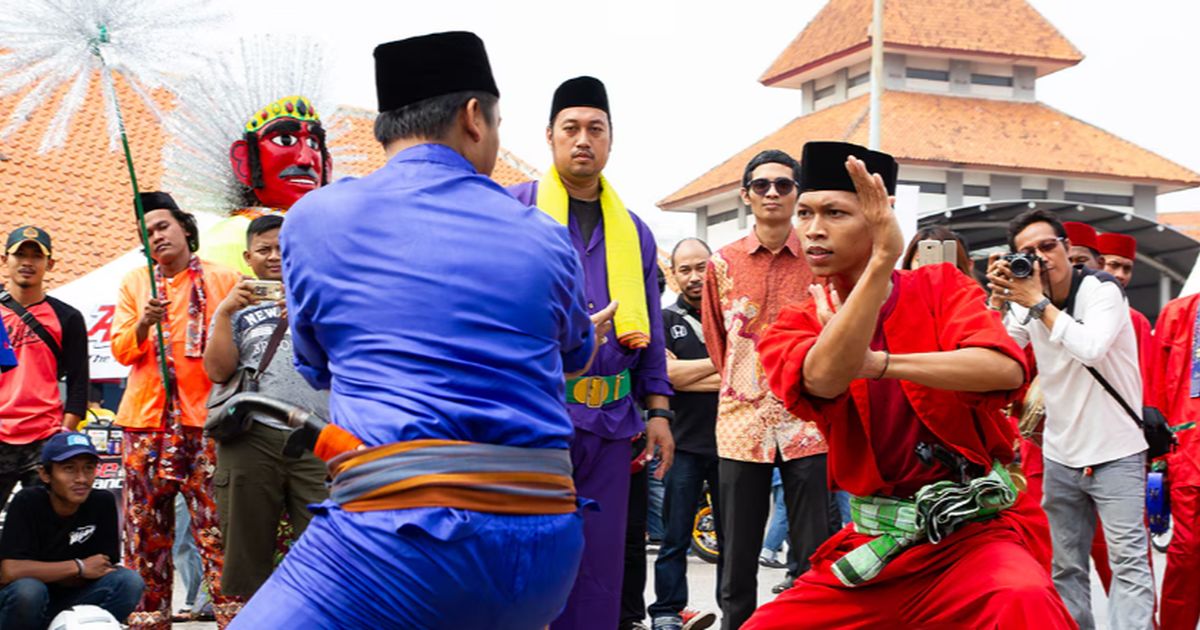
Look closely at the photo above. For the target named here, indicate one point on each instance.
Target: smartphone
(266, 290)
(931, 252)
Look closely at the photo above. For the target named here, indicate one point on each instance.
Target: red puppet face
(287, 161)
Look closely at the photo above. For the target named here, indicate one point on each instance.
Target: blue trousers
(446, 569)
(29, 604)
(685, 485)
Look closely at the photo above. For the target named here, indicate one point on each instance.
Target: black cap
(823, 166)
(414, 69)
(157, 201)
(64, 446)
(28, 233)
(580, 92)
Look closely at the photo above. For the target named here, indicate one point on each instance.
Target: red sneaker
(697, 620)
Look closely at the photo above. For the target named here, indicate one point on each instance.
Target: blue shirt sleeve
(650, 371)
(307, 354)
(576, 338)
(8, 358)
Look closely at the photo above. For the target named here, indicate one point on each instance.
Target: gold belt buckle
(591, 391)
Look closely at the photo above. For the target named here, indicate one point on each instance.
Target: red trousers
(983, 576)
(1181, 583)
(150, 526)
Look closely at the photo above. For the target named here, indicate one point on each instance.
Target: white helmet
(85, 617)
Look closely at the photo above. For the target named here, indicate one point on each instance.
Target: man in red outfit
(1118, 252)
(1176, 392)
(906, 379)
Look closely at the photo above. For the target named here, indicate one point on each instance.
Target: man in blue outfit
(460, 511)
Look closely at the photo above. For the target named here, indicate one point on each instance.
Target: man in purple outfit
(629, 373)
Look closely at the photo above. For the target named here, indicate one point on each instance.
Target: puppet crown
(297, 107)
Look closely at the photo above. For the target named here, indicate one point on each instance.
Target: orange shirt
(142, 406)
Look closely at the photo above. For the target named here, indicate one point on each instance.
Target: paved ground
(702, 584)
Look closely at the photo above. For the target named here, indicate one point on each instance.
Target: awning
(1162, 251)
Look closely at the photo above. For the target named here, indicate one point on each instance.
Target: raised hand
(828, 303)
(873, 199)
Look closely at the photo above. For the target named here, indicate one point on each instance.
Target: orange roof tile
(80, 193)
(1006, 28)
(1186, 222)
(359, 140)
(953, 131)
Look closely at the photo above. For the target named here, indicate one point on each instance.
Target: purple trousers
(602, 475)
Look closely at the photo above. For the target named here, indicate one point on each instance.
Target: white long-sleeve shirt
(1085, 425)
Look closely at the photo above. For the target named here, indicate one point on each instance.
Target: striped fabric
(934, 513)
(489, 478)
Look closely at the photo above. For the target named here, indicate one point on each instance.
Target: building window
(824, 92)
(925, 187)
(728, 215)
(928, 75)
(859, 80)
(1029, 193)
(1099, 199)
(972, 190)
(991, 79)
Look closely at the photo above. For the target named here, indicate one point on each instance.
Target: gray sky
(682, 75)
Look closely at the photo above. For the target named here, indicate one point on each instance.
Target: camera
(1021, 264)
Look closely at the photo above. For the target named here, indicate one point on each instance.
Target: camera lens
(1021, 267)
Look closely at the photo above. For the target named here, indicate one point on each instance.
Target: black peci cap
(411, 70)
(823, 166)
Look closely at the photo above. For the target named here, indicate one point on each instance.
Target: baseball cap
(28, 233)
(64, 446)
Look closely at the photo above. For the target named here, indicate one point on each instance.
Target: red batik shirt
(745, 289)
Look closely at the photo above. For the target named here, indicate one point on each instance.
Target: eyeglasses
(783, 186)
(1045, 246)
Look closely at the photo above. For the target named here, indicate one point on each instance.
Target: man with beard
(906, 379)
(619, 267)
(695, 381)
(164, 450)
(280, 157)
(49, 339)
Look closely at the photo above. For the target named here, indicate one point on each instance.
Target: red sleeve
(1166, 331)
(782, 350)
(966, 322)
(712, 320)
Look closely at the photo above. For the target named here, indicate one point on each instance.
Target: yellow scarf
(622, 256)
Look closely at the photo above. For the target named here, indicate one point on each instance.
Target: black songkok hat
(411, 70)
(823, 166)
(157, 201)
(580, 92)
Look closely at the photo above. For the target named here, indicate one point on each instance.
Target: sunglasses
(783, 186)
(1045, 246)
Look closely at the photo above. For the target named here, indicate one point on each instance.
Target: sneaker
(667, 622)
(788, 582)
(768, 560)
(696, 619)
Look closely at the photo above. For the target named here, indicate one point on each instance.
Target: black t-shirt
(695, 424)
(587, 213)
(33, 531)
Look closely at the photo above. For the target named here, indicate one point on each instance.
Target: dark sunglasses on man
(783, 186)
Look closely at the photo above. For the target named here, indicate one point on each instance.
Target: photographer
(1094, 452)
(255, 483)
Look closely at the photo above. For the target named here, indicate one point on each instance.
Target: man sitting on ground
(60, 543)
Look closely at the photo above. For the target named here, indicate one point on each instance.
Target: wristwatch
(665, 414)
(1037, 310)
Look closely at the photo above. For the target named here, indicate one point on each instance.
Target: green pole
(137, 203)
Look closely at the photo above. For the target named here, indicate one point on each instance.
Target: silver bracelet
(79, 563)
